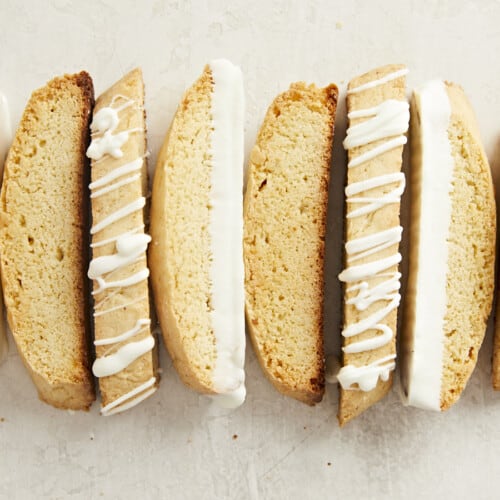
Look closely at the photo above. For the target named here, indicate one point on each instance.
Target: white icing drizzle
(122, 212)
(117, 405)
(101, 243)
(104, 123)
(375, 83)
(367, 376)
(120, 171)
(372, 204)
(130, 247)
(389, 121)
(226, 233)
(123, 357)
(139, 276)
(139, 326)
(425, 361)
(119, 306)
(378, 150)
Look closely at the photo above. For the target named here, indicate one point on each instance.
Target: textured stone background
(176, 445)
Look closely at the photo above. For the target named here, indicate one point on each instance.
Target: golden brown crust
(132, 302)
(179, 253)
(353, 402)
(284, 228)
(42, 229)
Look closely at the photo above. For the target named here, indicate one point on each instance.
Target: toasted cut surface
(179, 253)
(470, 247)
(43, 224)
(118, 309)
(284, 233)
(353, 402)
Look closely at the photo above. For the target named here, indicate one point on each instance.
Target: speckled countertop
(176, 445)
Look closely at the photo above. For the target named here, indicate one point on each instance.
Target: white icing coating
(123, 357)
(122, 212)
(366, 377)
(389, 121)
(372, 204)
(130, 247)
(425, 363)
(118, 405)
(140, 324)
(226, 233)
(5, 130)
(375, 83)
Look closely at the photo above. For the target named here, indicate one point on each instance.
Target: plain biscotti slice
(284, 235)
(452, 248)
(196, 253)
(43, 217)
(126, 358)
(378, 119)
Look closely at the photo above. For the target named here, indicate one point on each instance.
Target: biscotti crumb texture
(43, 221)
(284, 230)
(179, 252)
(471, 249)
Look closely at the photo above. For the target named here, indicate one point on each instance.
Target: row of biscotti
(196, 253)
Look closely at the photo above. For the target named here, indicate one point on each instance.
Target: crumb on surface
(235, 436)
(329, 464)
(339, 25)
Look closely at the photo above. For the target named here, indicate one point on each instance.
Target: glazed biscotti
(452, 248)
(126, 358)
(378, 116)
(284, 233)
(196, 227)
(43, 217)
(5, 139)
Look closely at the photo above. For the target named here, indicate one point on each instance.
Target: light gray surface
(176, 445)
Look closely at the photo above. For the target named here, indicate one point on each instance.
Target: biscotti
(284, 233)
(5, 139)
(43, 218)
(452, 248)
(126, 358)
(378, 116)
(196, 227)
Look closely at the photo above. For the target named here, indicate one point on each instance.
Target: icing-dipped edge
(226, 233)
